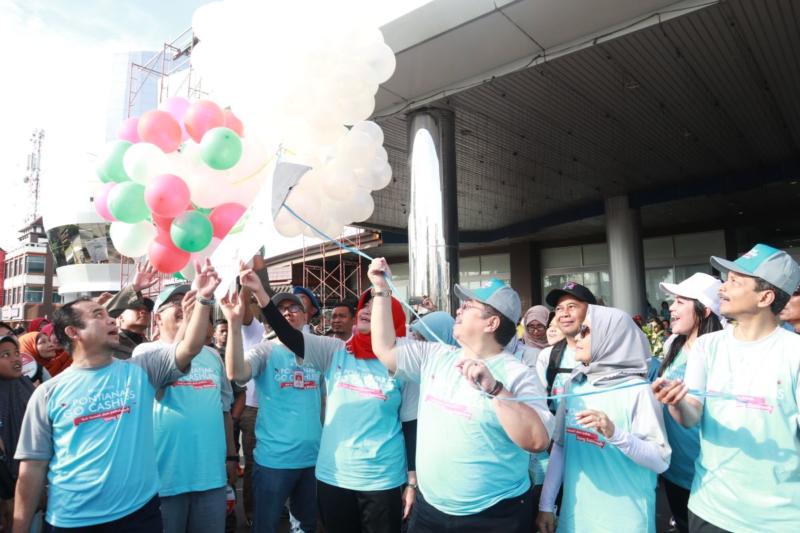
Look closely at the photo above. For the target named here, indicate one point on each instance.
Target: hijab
(54, 365)
(37, 324)
(539, 313)
(619, 351)
(360, 344)
(440, 323)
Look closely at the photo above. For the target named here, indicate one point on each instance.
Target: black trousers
(147, 519)
(698, 525)
(512, 515)
(678, 499)
(359, 511)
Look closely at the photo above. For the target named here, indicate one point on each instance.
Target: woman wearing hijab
(35, 350)
(363, 483)
(534, 323)
(437, 323)
(694, 313)
(61, 361)
(608, 446)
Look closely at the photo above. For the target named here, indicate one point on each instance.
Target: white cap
(700, 287)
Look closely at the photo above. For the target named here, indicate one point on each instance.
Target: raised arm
(290, 337)
(384, 342)
(674, 394)
(206, 282)
(237, 369)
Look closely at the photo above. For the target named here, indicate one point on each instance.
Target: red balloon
(232, 122)
(224, 217)
(159, 128)
(167, 195)
(165, 256)
(202, 116)
(162, 223)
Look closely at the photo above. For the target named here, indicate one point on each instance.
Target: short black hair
(350, 308)
(67, 315)
(220, 322)
(7, 326)
(781, 297)
(506, 331)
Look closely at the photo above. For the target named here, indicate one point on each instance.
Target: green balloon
(126, 202)
(191, 231)
(110, 167)
(205, 210)
(221, 148)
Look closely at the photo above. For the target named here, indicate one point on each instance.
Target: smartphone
(415, 300)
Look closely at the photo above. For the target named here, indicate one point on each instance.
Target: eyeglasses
(536, 327)
(294, 309)
(584, 331)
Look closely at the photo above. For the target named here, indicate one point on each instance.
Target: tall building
(30, 286)
(133, 90)
(2, 276)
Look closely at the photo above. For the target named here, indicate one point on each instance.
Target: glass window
(653, 277)
(56, 298)
(564, 257)
(597, 281)
(658, 248)
(700, 244)
(469, 266)
(685, 271)
(34, 264)
(595, 254)
(496, 265)
(81, 244)
(34, 294)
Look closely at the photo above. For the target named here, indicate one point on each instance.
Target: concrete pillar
(624, 234)
(433, 213)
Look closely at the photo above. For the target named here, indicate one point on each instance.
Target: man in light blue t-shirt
(89, 430)
(742, 387)
(288, 425)
(193, 429)
(478, 412)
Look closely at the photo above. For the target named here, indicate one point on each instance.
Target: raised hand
(206, 280)
(669, 392)
(250, 280)
(103, 298)
(187, 304)
(378, 270)
(233, 308)
(146, 276)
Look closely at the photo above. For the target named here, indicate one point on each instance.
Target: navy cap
(573, 289)
(310, 295)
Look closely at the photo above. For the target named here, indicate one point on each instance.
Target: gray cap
(169, 292)
(287, 296)
(498, 295)
(765, 262)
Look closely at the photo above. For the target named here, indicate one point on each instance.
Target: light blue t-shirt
(685, 442)
(747, 475)
(466, 462)
(95, 427)
(362, 446)
(188, 426)
(288, 424)
(604, 490)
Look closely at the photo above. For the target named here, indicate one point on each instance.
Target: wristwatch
(386, 293)
(498, 388)
(232, 458)
(412, 485)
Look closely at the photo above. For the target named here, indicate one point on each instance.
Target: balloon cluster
(311, 92)
(177, 180)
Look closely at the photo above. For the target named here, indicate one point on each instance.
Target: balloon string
(256, 173)
(359, 253)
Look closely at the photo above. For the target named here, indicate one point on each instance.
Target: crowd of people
(128, 414)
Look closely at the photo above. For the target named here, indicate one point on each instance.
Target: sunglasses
(584, 331)
(294, 309)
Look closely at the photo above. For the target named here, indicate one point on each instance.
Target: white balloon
(144, 161)
(339, 182)
(356, 149)
(382, 62)
(207, 187)
(356, 108)
(370, 128)
(381, 175)
(132, 240)
(362, 206)
(287, 225)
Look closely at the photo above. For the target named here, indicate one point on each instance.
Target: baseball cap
(284, 296)
(700, 287)
(572, 289)
(169, 292)
(770, 264)
(498, 295)
(307, 292)
(138, 303)
(10, 338)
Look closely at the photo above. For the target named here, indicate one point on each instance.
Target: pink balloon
(165, 256)
(167, 195)
(177, 107)
(224, 217)
(159, 128)
(101, 201)
(233, 122)
(202, 116)
(162, 223)
(128, 130)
